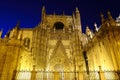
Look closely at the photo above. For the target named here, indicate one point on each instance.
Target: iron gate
(52, 75)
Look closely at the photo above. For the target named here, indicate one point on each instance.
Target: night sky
(28, 12)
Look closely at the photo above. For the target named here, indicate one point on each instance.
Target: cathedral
(57, 49)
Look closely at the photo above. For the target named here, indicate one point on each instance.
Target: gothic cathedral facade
(57, 44)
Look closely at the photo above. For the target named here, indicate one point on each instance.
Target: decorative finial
(96, 28)
(77, 9)
(109, 15)
(73, 15)
(18, 24)
(43, 14)
(102, 18)
(89, 32)
(43, 8)
(119, 16)
(1, 33)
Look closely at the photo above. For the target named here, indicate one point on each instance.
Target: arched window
(58, 25)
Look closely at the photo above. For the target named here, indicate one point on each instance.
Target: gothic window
(26, 42)
(58, 25)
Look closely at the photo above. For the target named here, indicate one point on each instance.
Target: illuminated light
(119, 43)
(23, 75)
(118, 21)
(40, 75)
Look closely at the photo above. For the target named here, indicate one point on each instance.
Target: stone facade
(104, 48)
(58, 44)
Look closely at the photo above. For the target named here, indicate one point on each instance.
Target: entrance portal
(58, 69)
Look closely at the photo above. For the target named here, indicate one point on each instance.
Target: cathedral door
(56, 75)
(58, 68)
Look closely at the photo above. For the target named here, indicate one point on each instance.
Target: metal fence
(51, 75)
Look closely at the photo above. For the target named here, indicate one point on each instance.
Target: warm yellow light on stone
(23, 75)
(59, 50)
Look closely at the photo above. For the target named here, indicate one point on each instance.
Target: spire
(109, 15)
(1, 31)
(74, 20)
(96, 28)
(78, 20)
(14, 31)
(102, 18)
(7, 34)
(89, 32)
(43, 14)
(18, 24)
(118, 18)
(43, 10)
(111, 20)
(118, 21)
(77, 11)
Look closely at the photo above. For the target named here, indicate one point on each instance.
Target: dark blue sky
(28, 12)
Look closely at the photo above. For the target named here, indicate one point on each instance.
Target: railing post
(101, 74)
(14, 75)
(33, 73)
